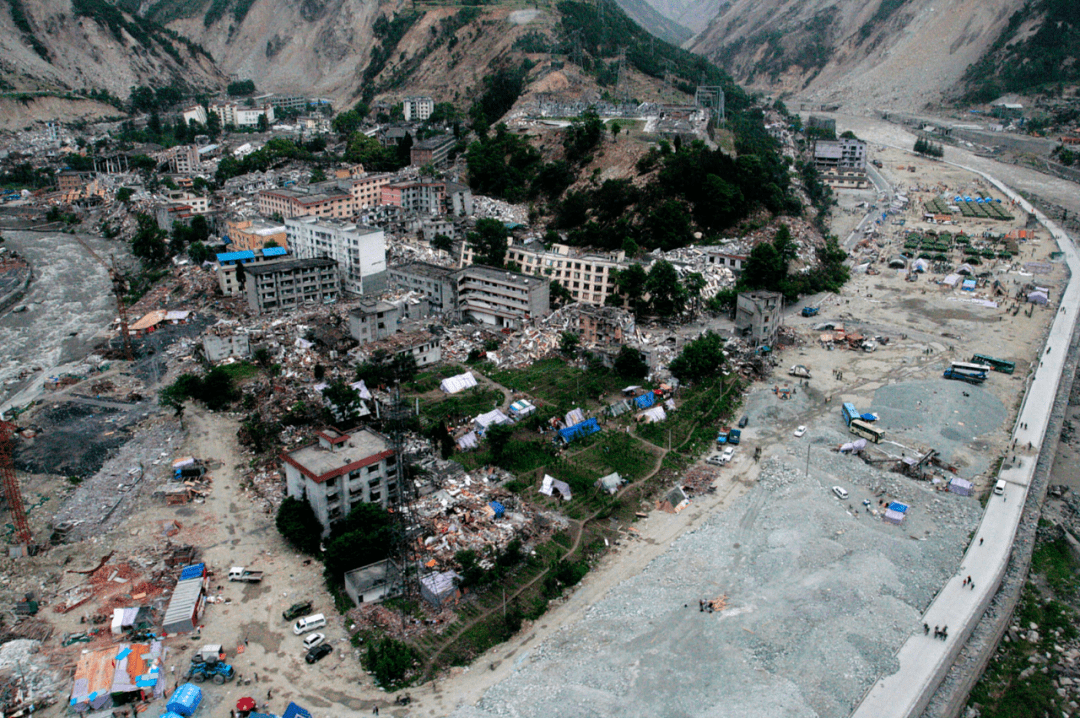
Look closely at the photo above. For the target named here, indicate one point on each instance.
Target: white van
(999, 487)
(309, 623)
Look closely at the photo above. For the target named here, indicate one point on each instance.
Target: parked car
(840, 492)
(744, 421)
(715, 460)
(800, 431)
(296, 610)
(313, 640)
(728, 453)
(318, 653)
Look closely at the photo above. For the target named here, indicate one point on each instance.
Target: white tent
(469, 441)
(965, 269)
(1038, 298)
(550, 485)
(495, 416)
(951, 279)
(652, 415)
(361, 389)
(574, 416)
(461, 382)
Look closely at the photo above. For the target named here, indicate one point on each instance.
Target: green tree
(213, 125)
(582, 137)
(124, 194)
(667, 296)
(631, 364)
(391, 661)
(372, 155)
(630, 286)
(558, 295)
(498, 438)
(443, 242)
(317, 175)
(569, 343)
(347, 123)
(199, 252)
(241, 88)
(700, 359)
(263, 123)
(148, 243)
(489, 242)
(615, 128)
(297, 524)
(344, 403)
(361, 538)
(765, 268)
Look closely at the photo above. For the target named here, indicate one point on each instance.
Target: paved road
(924, 660)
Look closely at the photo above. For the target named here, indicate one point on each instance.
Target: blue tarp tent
(295, 711)
(185, 699)
(589, 426)
(193, 571)
(498, 508)
(645, 400)
(898, 507)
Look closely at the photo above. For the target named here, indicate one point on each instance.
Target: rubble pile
(696, 260)
(27, 682)
(491, 208)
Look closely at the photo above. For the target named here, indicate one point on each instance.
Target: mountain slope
(870, 53)
(649, 18)
(80, 44)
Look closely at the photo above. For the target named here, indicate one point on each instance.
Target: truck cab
(734, 436)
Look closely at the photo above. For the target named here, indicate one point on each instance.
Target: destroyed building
(340, 470)
(373, 582)
(431, 280)
(225, 266)
(222, 344)
(374, 319)
(422, 345)
(757, 317)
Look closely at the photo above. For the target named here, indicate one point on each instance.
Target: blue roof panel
(236, 256)
(274, 251)
(193, 571)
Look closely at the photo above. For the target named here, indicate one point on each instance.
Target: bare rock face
(892, 54)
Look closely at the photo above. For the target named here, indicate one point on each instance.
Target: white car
(313, 640)
(800, 431)
(728, 453)
(840, 492)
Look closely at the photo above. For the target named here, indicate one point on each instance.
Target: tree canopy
(489, 243)
(700, 359)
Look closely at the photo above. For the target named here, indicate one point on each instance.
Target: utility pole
(808, 460)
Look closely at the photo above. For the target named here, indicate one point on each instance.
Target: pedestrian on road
(944, 633)
(269, 694)
(969, 579)
(376, 711)
(980, 541)
(964, 583)
(926, 629)
(972, 585)
(937, 632)
(256, 677)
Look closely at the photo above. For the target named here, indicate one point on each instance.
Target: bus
(866, 431)
(849, 412)
(960, 375)
(1005, 367)
(971, 367)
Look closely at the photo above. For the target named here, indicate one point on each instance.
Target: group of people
(942, 632)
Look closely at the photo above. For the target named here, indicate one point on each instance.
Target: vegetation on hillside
(148, 34)
(22, 22)
(1048, 56)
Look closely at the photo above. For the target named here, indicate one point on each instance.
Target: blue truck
(810, 311)
(734, 436)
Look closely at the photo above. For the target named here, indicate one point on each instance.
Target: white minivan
(309, 623)
(999, 487)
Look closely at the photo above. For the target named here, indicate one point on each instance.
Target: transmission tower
(620, 82)
(405, 529)
(120, 289)
(11, 484)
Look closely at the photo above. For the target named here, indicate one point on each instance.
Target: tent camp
(550, 485)
(522, 408)
(461, 382)
(468, 441)
(610, 483)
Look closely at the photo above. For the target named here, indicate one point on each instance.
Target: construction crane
(120, 289)
(11, 484)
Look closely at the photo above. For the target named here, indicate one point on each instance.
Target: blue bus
(849, 412)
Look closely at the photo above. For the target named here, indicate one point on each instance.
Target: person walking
(937, 632)
(926, 629)
(980, 540)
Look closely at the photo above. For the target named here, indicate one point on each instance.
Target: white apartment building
(418, 109)
(232, 114)
(195, 113)
(588, 276)
(360, 251)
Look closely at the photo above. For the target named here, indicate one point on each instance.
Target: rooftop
(334, 224)
(289, 265)
(501, 275)
(362, 447)
(424, 269)
(372, 307)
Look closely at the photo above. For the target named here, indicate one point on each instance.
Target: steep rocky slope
(869, 53)
(82, 44)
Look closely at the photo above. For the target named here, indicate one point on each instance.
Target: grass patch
(241, 370)
(1054, 560)
(561, 385)
(465, 405)
(429, 380)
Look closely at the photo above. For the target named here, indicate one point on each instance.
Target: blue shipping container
(185, 700)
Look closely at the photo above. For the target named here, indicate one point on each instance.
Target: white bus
(866, 431)
(969, 367)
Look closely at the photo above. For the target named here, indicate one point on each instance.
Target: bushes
(297, 524)
(391, 661)
(216, 390)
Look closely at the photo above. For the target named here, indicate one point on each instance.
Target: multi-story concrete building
(367, 190)
(255, 233)
(842, 154)
(197, 204)
(183, 159)
(231, 113)
(500, 298)
(360, 252)
(417, 109)
(225, 266)
(341, 470)
(720, 258)
(435, 282)
(195, 113)
(326, 199)
(587, 275)
(377, 319)
(422, 345)
(277, 286)
(757, 316)
(72, 181)
(432, 151)
(459, 199)
(420, 196)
